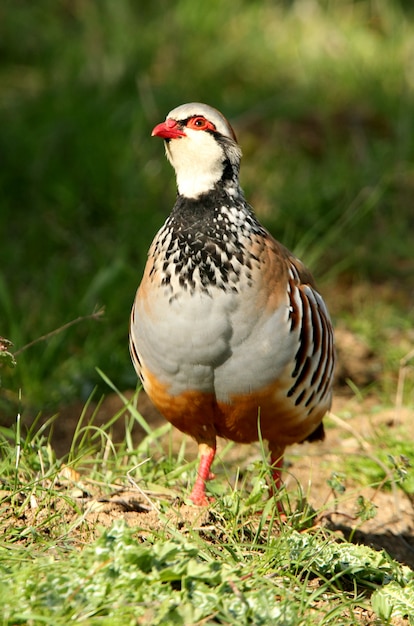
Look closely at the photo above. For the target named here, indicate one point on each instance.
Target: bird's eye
(200, 123)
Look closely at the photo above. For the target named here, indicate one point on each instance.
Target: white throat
(198, 162)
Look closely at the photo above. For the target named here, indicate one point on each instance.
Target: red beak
(168, 130)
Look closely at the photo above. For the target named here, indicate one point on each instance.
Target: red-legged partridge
(228, 332)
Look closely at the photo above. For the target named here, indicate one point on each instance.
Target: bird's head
(202, 147)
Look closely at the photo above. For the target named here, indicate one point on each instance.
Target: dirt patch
(392, 527)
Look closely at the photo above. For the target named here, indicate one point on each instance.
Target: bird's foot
(275, 493)
(199, 497)
(282, 517)
(276, 485)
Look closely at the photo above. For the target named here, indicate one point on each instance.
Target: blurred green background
(321, 97)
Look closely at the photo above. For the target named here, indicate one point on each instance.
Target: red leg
(276, 461)
(207, 454)
(277, 466)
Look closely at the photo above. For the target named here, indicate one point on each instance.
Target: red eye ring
(198, 122)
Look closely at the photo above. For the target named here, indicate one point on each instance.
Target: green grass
(388, 466)
(181, 580)
(237, 562)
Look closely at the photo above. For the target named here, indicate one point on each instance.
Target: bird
(229, 335)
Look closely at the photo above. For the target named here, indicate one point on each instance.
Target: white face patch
(198, 162)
